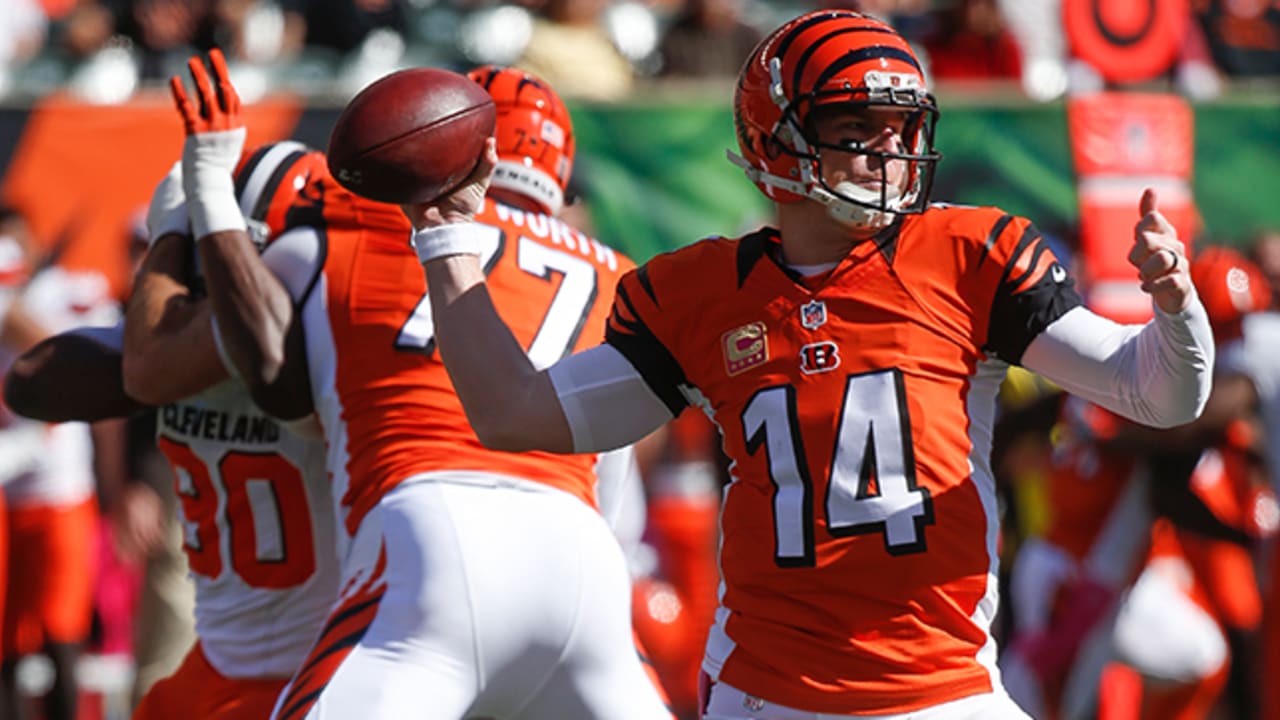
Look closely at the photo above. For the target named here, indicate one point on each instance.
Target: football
(411, 136)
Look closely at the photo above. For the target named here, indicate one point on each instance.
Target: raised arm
(1158, 374)
(587, 402)
(257, 327)
(169, 351)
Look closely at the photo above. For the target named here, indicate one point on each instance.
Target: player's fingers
(183, 103)
(1145, 242)
(1159, 264)
(204, 89)
(227, 92)
(1147, 204)
(488, 161)
(1152, 233)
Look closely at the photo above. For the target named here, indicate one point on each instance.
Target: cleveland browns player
(850, 356)
(254, 496)
(474, 583)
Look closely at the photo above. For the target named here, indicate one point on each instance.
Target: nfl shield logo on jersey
(813, 314)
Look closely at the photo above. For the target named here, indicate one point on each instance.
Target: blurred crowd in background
(592, 49)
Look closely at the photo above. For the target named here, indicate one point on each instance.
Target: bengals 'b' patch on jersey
(858, 549)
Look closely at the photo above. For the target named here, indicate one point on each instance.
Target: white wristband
(215, 210)
(453, 239)
(208, 161)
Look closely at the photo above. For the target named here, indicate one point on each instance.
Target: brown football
(411, 136)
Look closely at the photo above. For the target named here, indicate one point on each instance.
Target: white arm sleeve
(605, 400)
(1157, 374)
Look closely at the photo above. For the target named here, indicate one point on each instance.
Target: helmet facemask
(846, 201)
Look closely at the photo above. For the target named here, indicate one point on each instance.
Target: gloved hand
(215, 140)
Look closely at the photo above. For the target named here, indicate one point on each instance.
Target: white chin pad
(857, 215)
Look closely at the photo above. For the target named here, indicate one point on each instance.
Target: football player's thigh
(380, 683)
(418, 653)
(600, 674)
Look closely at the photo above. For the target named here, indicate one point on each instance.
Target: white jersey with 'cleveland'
(258, 529)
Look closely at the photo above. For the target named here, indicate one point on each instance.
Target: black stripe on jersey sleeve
(1018, 317)
(648, 355)
(994, 235)
(750, 249)
(1030, 235)
(642, 277)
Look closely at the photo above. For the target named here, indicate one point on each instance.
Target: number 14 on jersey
(871, 486)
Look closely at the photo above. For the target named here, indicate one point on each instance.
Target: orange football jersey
(859, 531)
(382, 394)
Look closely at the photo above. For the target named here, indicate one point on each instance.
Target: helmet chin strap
(841, 210)
(853, 214)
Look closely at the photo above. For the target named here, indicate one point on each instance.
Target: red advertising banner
(1122, 143)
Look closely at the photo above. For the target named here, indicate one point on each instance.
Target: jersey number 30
(872, 484)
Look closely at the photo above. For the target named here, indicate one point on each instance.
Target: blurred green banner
(656, 177)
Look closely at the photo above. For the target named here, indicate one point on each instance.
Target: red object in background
(973, 57)
(1120, 144)
(81, 171)
(972, 43)
(1127, 41)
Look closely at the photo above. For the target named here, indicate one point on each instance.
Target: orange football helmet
(825, 58)
(534, 135)
(1230, 286)
(268, 181)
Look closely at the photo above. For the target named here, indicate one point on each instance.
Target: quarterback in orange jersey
(850, 357)
(474, 583)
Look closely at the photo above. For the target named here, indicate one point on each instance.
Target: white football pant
(505, 599)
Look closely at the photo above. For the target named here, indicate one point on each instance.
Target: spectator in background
(709, 38)
(162, 33)
(971, 42)
(572, 50)
(1243, 37)
(22, 30)
(339, 25)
